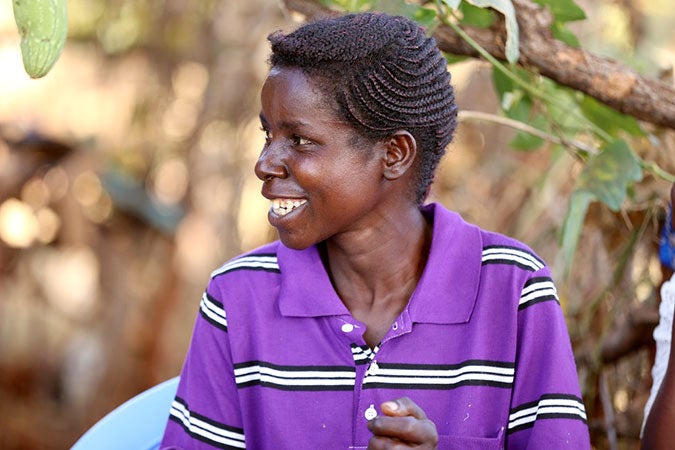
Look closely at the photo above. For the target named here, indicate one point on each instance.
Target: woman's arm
(659, 431)
(205, 413)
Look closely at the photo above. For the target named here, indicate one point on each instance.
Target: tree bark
(612, 83)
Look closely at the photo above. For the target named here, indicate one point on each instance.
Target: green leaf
(454, 59)
(563, 108)
(477, 17)
(501, 82)
(609, 119)
(607, 177)
(506, 8)
(423, 16)
(514, 101)
(504, 84)
(452, 4)
(608, 174)
(348, 5)
(519, 106)
(563, 10)
(359, 5)
(526, 141)
(562, 33)
(572, 226)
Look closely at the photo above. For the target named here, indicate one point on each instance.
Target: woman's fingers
(403, 425)
(403, 406)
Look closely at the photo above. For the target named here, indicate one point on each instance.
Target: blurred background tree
(126, 176)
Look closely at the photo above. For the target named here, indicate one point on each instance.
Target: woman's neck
(376, 273)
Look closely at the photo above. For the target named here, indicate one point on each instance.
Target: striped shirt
(277, 362)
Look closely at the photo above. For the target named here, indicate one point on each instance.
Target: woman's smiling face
(321, 177)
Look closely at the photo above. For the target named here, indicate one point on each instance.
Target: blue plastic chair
(137, 424)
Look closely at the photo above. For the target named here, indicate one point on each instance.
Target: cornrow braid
(384, 74)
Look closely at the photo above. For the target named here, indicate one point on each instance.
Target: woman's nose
(270, 163)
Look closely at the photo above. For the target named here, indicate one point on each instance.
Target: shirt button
(395, 326)
(371, 412)
(347, 328)
(373, 368)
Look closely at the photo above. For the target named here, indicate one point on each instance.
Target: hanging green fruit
(43, 25)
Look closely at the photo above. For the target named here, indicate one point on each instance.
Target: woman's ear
(400, 154)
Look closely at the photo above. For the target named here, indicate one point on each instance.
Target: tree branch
(612, 83)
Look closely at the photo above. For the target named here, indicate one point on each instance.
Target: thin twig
(521, 126)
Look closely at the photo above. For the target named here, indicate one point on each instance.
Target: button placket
(373, 368)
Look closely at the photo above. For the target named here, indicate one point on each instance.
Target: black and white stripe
(498, 254)
(212, 310)
(363, 354)
(442, 377)
(206, 430)
(266, 262)
(550, 406)
(537, 290)
(295, 378)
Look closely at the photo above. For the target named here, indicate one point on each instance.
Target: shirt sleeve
(205, 413)
(546, 408)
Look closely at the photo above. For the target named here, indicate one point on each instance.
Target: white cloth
(662, 337)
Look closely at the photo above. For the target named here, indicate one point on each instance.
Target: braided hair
(384, 74)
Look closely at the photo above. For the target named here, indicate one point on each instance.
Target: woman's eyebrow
(285, 125)
(293, 124)
(263, 121)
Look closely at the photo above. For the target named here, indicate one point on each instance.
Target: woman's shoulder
(495, 239)
(507, 251)
(263, 258)
(491, 242)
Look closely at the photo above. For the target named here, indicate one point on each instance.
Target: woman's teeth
(281, 207)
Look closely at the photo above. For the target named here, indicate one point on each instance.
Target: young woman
(375, 321)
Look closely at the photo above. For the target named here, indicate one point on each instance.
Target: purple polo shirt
(277, 362)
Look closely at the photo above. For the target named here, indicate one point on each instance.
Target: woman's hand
(403, 425)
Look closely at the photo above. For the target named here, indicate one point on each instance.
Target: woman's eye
(298, 140)
(268, 135)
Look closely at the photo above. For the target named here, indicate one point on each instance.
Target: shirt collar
(446, 292)
(306, 289)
